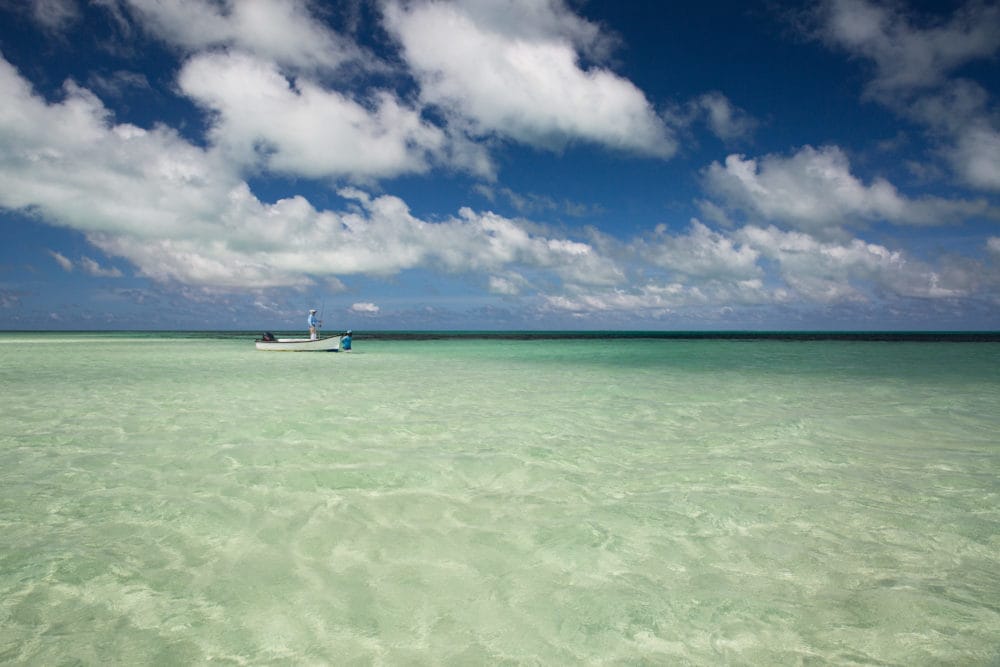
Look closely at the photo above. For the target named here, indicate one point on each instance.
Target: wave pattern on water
(475, 501)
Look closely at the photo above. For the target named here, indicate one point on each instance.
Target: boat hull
(328, 344)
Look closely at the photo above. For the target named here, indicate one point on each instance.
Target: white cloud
(663, 299)
(727, 271)
(511, 284)
(301, 128)
(93, 268)
(69, 164)
(713, 110)
(814, 190)
(960, 112)
(701, 253)
(117, 83)
(283, 31)
(290, 243)
(513, 69)
(993, 245)
(725, 120)
(907, 56)
(976, 156)
(914, 75)
(261, 68)
(65, 263)
(55, 14)
(89, 266)
(257, 67)
(365, 308)
(212, 264)
(66, 163)
(828, 272)
(949, 108)
(10, 298)
(621, 300)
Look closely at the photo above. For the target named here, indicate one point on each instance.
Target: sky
(500, 164)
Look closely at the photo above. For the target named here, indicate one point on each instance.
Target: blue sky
(489, 164)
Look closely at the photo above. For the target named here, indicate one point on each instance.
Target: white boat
(325, 344)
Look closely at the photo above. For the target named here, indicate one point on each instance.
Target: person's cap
(312, 310)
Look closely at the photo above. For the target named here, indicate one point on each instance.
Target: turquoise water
(172, 499)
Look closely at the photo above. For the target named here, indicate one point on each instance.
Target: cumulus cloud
(513, 69)
(701, 253)
(657, 300)
(814, 190)
(727, 271)
(290, 243)
(470, 241)
(67, 163)
(262, 68)
(829, 271)
(511, 284)
(282, 31)
(299, 127)
(365, 308)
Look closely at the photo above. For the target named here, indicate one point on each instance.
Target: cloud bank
(268, 77)
(814, 190)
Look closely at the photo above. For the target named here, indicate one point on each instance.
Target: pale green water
(170, 500)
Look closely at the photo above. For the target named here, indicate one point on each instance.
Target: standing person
(314, 325)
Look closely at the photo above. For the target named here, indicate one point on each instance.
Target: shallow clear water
(169, 499)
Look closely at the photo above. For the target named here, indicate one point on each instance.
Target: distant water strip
(417, 335)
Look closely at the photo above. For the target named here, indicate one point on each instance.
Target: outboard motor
(267, 337)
